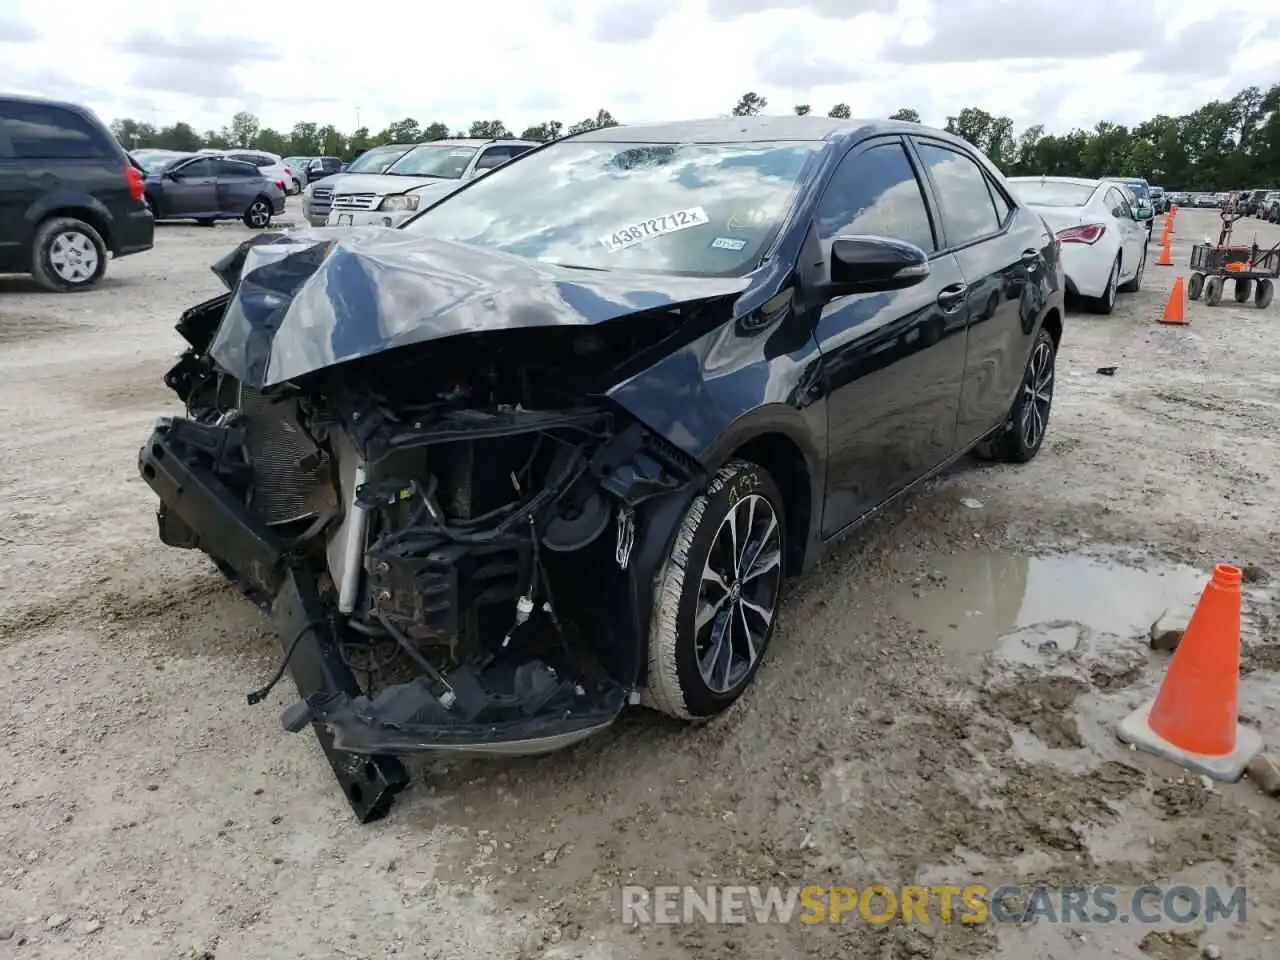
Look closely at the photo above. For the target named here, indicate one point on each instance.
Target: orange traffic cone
(1173, 209)
(1168, 228)
(1166, 252)
(1175, 308)
(1195, 718)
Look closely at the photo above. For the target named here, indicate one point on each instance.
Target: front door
(892, 363)
(191, 190)
(999, 247)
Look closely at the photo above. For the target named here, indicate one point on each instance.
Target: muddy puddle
(1031, 610)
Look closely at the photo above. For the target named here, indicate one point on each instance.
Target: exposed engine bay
(444, 534)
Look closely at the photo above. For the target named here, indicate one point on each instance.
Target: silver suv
(426, 173)
(318, 194)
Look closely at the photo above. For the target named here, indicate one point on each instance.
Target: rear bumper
(1087, 268)
(277, 205)
(133, 233)
(198, 510)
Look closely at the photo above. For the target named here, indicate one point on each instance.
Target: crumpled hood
(383, 184)
(312, 299)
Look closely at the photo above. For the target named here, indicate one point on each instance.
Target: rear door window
(234, 169)
(40, 131)
(968, 211)
(203, 167)
(493, 157)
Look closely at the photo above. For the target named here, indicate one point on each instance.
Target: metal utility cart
(1254, 270)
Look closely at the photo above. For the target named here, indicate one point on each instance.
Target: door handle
(1031, 258)
(952, 296)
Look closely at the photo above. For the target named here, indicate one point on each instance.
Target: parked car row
(741, 338)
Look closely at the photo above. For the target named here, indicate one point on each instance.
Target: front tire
(717, 595)
(67, 255)
(1020, 437)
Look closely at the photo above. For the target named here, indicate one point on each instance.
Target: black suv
(69, 194)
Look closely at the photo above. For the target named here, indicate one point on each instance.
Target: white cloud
(526, 61)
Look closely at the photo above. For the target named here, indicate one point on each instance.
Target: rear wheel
(67, 255)
(1195, 286)
(258, 216)
(717, 595)
(1106, 303)
(1243, 290)
(1023, 432)
(1263, 294)
(1134, 285)
(1213, 291)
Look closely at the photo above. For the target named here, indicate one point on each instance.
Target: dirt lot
(912, 725)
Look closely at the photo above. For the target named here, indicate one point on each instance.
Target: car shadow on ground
(21, 283)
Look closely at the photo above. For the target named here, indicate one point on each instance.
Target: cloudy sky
(1059, 62)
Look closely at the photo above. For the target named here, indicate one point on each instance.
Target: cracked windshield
(702, 209)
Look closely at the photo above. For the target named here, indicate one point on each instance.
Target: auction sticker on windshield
(643, 230)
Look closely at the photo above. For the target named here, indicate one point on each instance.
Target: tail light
(137, 186)
(1089, 233)
(280, 184)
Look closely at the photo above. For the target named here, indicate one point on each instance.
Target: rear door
(999, 247)
(892, 363)
(191, 189)
(238, 184)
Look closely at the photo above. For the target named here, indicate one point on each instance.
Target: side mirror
(875, 264)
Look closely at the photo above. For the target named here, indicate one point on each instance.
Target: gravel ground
(912, 724)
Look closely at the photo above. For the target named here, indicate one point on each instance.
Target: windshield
(1053, 193)
(433, 160)
(1138, 187)
(699, 209)
(376, 160)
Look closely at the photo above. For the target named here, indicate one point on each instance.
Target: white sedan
(1104, 244)
(270, 166)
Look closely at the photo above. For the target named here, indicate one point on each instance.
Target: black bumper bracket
(370, 782)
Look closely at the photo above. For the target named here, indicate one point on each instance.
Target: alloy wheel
(738, 595)
(74, 257)
(1110, 292)
(259, 214)
(1037, 389)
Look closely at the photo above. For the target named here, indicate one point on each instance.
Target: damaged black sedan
(551, 447)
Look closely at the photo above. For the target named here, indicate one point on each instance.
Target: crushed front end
(445, 535)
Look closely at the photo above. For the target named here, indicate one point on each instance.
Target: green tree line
(308, 139)
(1223, 145)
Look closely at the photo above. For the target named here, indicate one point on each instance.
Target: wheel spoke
(761, 565)
(707, 611)
(750, 566)
(732, 520)
(707, 664)
(747, 635)
(759, 611)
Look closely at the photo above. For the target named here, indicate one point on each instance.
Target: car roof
(757, 129)
(1127, 180)
(1075, 181)
(45, 102)
(473, 142)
